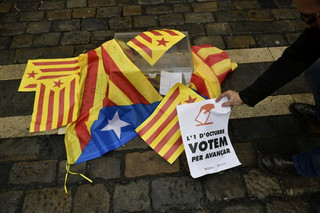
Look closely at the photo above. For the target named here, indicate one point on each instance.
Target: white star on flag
(115, 124)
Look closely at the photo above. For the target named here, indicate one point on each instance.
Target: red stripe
(196, 49)
(215, 58)
(63, 69)
(54, 63)
(155, 119)
(173, 148)
(31, 86)
(200, 85)
(50, 110)
(142, 46)
(161, 127)
(223, 75)
(156, 33)
(61, 107)
(167, 137)
(39, 108)
(146, 37)
(88, 99)
(120, 80)
(170, 32)
(71, 100)
(50, 77)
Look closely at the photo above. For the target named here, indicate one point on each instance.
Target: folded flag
(161, 130)
(116, 126)
(211, 66)
(111, 80)
(56, 83)
(151, 45)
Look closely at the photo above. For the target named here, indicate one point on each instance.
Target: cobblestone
(192, 29)
(260, 185)
(145, 21)
(105, 167)
(94, 24)
(23, 55)
(240, 41)
(267, 40)
(84, 13)
(131, 197)
(33, 172)
(51, 5)
(21, 41)
(218, 28)
(132, 10)
(136, 164)
(19, 149)
(59, 14)
(182, 193)
(300, 185)
(58, 52)
(66, 25)
(254, 208)
(162, 9)
(181, 8)
(216, 41)
(199, 17)
(26, 6)
(77, 37)
(77, 168)
(108, 12)
(285, 13)
(38, 27)
(260, 15)
(245, 153)
(246, 4)
(91, 198)
(171, 19)
(236, 15)
(13, 29)
(101, 36)
(287, 206)
(76, 3)
(120, 23)
(32, 16)
(99, 3)
(224, 186)
(5, 7)
(46, 39)
(47, 200)
(9, 201)
(4, 42)
(205, 7)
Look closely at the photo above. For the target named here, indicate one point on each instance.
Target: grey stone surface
(132, 197)
(298, 185)
(120, 23)
(23, 55)
(32, 16)
(171, 19)
(218, 28)
(38, 27)
(19, 149)
(260, 185)
(199, 17)
(33, 172)
(78, 37)
(171, 192)
(94, 24)
(75, 168)
(105, 167)
(47, 200)
(224, 186)
(243, 208)
(280, 206)
(66, 25)
(136, 143)
(145, 21)
(91, 198)
(216, 41)
(58, 51)
(108, 12)
(246, 154)
(9, 201)
(46, 39)
(13, 29)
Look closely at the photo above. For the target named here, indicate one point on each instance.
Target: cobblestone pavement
(134, 178)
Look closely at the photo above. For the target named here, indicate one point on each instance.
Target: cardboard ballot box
(175, 65)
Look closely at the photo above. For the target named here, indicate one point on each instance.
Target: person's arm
(295, 59)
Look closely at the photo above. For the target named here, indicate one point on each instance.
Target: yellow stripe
(117, 96)
(206, 51)
(134, 75)
(55, 110)
(221, 66)
(100, 92)
(172, 140)
(176, 154)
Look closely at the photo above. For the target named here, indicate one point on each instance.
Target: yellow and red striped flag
(211, 66)
(151, 45)
(56, 83)
(161, 130)
(111, 79)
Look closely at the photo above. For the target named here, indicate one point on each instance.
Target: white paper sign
(168, 80)
(204, 130)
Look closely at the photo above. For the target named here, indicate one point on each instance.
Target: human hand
(233, 96)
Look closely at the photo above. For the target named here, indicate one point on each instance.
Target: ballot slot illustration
(204, 114)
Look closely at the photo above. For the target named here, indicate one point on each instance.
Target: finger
(226, 104)
(221, 96)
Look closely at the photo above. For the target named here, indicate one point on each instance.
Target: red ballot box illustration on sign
(204, 114)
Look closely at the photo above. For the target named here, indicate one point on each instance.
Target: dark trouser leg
(312, 75)
(308, 163)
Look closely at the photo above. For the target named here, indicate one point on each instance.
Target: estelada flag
(211, 66)
(111, 80)
(56, 83)
(161, 130)
(151, 45)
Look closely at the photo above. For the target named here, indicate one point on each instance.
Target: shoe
(276, 165)
(305, 111)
